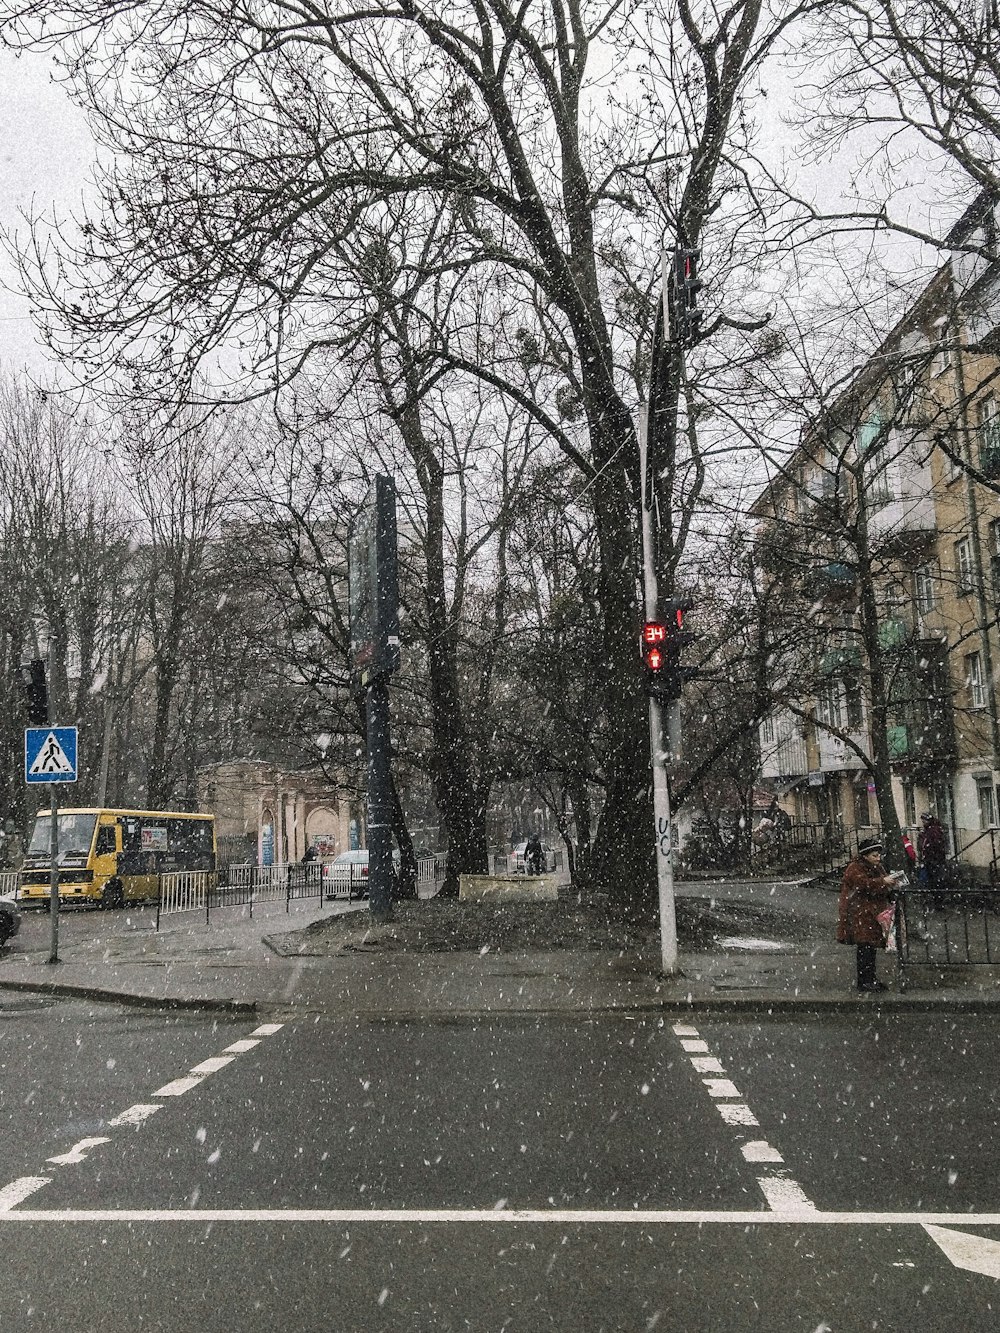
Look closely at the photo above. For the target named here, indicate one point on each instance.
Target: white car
(10, 919)
(518, 858)
(347, 875)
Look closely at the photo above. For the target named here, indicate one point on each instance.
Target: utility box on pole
(374, 615)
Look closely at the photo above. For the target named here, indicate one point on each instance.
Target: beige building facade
(885, 528)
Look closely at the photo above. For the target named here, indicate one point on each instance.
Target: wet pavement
(768, 946)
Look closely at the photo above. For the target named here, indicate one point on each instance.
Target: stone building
(265, 814)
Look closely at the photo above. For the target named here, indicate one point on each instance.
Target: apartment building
(888, 550)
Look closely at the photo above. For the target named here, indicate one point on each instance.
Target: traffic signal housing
(687, 285)
(35, 692)
(663, 641)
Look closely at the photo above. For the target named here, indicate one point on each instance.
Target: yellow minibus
(113, 857)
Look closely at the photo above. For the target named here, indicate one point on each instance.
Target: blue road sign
(50, 754)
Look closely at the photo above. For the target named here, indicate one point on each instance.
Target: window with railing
(767, 731)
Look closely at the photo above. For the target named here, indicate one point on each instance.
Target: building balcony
(989, 461)
(921, 747)
(785, 758)
(893, 634)
(835, 755)
(905, 521)
(840, 661)
(831, 579)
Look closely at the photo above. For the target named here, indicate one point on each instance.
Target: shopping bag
(887, 920)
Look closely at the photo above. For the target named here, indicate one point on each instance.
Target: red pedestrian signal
(661, 645)
(654, 635)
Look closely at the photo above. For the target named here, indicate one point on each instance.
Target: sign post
(50, 755)
(374, 608)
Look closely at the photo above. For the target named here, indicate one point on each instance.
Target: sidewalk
(229, 965)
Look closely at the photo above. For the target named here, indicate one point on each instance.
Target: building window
(963, 566)
(989, 434)
(828, 706)
(923, 589)
(976, 682)
(854, 710)
(909, 804)
(881, 490)
(944, 356)
(987, 802)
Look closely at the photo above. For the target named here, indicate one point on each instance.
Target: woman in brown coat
(865, 891)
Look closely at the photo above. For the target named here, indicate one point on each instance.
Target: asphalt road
(320, 1175)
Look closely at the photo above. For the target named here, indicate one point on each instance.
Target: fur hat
(870, 845)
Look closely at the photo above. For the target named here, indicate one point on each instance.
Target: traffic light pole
(661, 748)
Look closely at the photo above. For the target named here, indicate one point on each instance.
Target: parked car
(518, 857)
(347, 875)
(10, 919)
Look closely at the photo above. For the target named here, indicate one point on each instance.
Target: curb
(761, 1005)
(212, 1003)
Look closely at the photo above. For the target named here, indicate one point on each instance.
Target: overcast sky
(47, 151)
(44, 157)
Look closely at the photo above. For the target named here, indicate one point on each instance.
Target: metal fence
(947, 928)
(430, 874)
(243, 886)
(10, 883)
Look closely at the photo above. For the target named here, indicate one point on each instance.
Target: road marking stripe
(78, 1153)
(785, 1196)
(736, 1113)
(692, 1047)
(721, 1087)
(12, 1194)
(213, 1064)
(685, 1030)
(238, 1047)
(267, 1030)
(758, 1150)
(179, 1086)
(135, 1115)
(494, 1217)
(707, 1064)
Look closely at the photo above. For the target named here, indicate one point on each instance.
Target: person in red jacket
(865, 891)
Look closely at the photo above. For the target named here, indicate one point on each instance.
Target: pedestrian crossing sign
(50, 754)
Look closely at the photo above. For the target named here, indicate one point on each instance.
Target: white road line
(238, 1047)
(693, 1047)
(78, 1153)
(12, 1194)
(707, 1064)
(267, 1030)
(736, 1113)
(758, 1150)
(179, 1086)
(135, 1115)
(721, 1087)
(785, 1196)
(212, 1065)
(684, 1030)
(501, 1217)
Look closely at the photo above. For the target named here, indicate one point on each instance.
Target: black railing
(941, 928)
